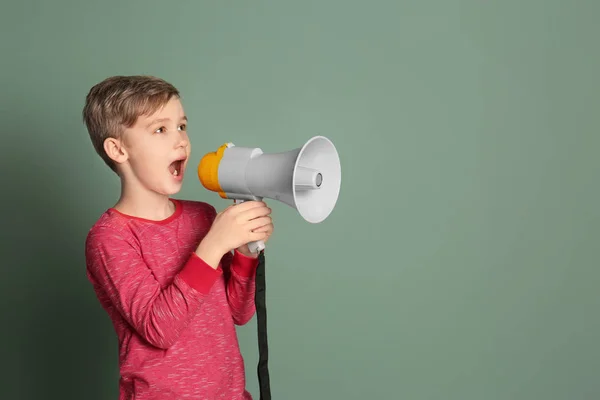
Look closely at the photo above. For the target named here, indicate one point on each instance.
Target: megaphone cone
(317, 167)
(307, 178)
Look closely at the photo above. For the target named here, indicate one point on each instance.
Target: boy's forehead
(169, 111)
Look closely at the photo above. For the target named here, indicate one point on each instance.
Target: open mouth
(176, 167)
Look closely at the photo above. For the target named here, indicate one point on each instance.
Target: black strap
(261, 317)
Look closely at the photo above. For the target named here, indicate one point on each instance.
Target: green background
(461, 260)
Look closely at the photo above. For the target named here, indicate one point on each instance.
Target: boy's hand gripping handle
(258, 245)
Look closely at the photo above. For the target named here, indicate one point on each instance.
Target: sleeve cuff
(243, 265)
(199, 275)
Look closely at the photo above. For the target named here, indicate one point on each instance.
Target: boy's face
(157, 149)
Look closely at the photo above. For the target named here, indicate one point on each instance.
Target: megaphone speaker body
(307, 178)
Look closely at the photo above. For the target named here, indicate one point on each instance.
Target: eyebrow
(156, 121)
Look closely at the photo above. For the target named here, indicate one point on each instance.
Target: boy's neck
(144, 204)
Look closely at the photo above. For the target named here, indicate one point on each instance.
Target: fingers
(258, 223)
(268, 228)
(248, 205)
(253, 217)
(259, 210)
(241, 208)
(254, 236)
(261, 224)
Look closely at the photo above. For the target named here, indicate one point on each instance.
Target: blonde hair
(117, 102)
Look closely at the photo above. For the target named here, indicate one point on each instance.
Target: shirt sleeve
(240, 277)
(158, 315)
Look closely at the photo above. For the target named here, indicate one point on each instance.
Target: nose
(182, 140)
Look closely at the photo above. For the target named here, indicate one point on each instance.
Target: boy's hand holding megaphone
(235, 227)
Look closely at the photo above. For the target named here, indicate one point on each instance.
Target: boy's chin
(174, 189)
(170, 188)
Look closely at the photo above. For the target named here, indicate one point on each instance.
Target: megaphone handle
(258, 245)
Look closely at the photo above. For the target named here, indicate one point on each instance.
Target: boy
(174, 276)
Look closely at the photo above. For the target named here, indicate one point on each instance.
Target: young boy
(174, 276)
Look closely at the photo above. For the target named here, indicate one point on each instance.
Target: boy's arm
(158, 315)
(240, 276)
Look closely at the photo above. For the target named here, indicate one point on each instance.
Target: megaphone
(307, 178)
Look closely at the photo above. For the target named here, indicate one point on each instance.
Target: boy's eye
(162, 129)
(182, 127)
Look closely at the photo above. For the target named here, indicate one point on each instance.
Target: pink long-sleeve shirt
(174, 315)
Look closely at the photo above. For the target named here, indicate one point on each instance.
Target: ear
(115, 150)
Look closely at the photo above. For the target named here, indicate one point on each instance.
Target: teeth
(175, 173)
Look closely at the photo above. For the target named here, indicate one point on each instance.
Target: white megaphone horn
(307, 178)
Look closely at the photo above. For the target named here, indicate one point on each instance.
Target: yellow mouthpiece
(208, 170)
